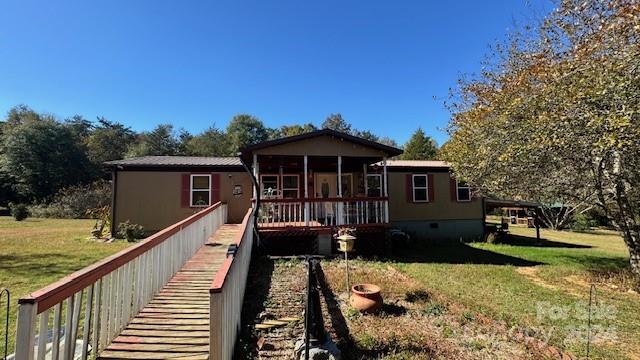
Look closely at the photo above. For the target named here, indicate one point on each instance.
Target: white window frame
(379, 176)
(277, 188)
(297, 189)
(191, 190)
(425, 187)
(458, 187)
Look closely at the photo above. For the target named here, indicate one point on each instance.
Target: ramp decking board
(175, 323)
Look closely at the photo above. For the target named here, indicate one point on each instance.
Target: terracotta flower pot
(366, 298)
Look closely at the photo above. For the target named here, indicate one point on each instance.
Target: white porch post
(386, 190)
(340, 204)
(255, 174)
(305, 183)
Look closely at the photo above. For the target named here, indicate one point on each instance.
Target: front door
(326, 185)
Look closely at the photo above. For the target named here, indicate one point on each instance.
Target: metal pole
(346, 261)
(6, 324)
(307, 311)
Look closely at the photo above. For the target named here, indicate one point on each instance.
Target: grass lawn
(37, 252)
(541, 287)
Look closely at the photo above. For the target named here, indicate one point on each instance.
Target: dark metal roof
(416, 164)
(511, 203)
(390, 150)
(176, 161)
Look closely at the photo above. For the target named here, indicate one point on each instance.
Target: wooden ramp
(175, 324)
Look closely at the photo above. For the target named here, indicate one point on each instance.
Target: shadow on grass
(32, 265)
(519, 240)
(256, 293)
(458, 253)
(337, 319)
(391, 309)
(597, 262)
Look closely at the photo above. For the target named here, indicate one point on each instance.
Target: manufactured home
(304, 187)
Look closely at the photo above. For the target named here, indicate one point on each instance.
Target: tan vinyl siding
(442, 207)
(153, 198)
(321, 146)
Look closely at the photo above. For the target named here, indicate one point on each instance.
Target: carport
(491, 204)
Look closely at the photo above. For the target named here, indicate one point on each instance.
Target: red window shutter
(215, 188)
(186, 187)
(430, 187)
(453, 188)
(409, 187)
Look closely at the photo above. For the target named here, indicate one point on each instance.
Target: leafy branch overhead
(556, 116)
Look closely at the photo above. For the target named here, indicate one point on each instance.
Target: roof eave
(389, 150)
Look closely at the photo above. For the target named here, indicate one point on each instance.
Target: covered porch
(320, 180)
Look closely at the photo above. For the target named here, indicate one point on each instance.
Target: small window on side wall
(420, 188)
(200, 190)
(463, 191)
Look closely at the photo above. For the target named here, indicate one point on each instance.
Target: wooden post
(536, 222)
(306, 190)
(386, 190)
(25, 335)
(216, 324)
(366, 182)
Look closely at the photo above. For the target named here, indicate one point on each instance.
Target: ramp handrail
(227, 294)
(114, 290)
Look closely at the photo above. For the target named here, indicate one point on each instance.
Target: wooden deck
(175, 324)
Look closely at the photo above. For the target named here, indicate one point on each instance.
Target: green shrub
(75, 202)
(19, 211)
(581, 223)
(129, 231)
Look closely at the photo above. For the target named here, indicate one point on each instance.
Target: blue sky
(385, 66)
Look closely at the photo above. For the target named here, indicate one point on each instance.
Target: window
(200, 190)
(269, 185)
(290, 188)
(420, 188)
(464, 191)
(374, 185)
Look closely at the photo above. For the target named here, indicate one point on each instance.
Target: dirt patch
(616, 281)
(274, 295)
(620, 280)
(531, 273)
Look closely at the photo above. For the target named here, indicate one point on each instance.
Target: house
(304, 186)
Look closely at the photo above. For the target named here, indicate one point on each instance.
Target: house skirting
(445, 230)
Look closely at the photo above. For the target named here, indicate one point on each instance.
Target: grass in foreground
(541, 286)
(37, 252)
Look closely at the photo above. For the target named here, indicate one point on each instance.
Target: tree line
(40, 154)
(555, 117)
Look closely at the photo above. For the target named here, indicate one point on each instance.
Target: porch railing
(90, 307)
(227, 294)
(322, 212)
